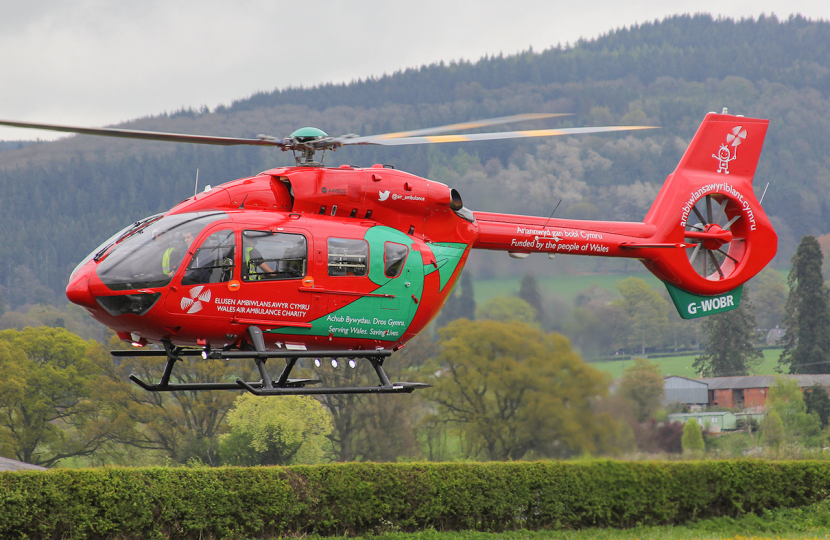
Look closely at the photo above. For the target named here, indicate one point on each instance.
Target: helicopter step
(283, 385)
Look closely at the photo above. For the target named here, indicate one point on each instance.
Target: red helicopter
(347, 262)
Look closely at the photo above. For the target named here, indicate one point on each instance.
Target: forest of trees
(61, 199)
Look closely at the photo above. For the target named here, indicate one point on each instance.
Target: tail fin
(704, 236)
(708, 204)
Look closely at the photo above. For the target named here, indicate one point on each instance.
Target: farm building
(774, 336)
(683, 390)
(751, 392)
(738, 392)
(713, 422)
(731, 392)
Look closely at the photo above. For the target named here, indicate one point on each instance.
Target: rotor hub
(308, 134)
(713, 237)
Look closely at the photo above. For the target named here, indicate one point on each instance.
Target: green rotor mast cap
(307, 134)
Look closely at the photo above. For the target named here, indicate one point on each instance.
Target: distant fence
(688, 352)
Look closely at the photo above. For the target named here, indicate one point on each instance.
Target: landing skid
(282, 386)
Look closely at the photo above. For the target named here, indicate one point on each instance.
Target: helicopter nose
(78, 291)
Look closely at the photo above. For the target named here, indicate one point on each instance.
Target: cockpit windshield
(101, 250)
(149, 256)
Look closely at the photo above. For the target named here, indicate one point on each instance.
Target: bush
(692, 440)
(359, 498)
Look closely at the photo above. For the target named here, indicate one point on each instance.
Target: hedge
(360, 498)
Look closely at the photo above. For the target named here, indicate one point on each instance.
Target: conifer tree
(818, 403)
(730, 350)
(461, 303)
(529, 292)
(807, 320)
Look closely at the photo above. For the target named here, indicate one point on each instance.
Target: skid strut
(266, 386)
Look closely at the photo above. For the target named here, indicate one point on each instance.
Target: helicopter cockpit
(148, 256)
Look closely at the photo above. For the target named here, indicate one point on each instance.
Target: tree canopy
(508, 308)
(730, 346)
(49, 405)
(647, 310)
(510, 389)
(283, 431)
(798, 426)
(692, 440)
(642, 385)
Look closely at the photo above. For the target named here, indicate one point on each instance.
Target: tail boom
(705, 234)
(528, 234)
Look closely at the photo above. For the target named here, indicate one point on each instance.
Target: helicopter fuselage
(318, 258)
(364, 258)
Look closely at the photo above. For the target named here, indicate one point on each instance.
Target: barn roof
(676, 381)
(7, 464)
(761, 381)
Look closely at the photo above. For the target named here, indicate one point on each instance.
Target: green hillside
(565, 287)
(61, 199)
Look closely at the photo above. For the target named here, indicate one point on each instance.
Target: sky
(101, 62)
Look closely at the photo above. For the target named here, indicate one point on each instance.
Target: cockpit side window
(271, 255)
(394, 259)
(348, 257)
(213, 262)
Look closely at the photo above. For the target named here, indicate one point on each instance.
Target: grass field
(639, 533)
(806, 522)
(564, 287)
(682, 365)
(567, 287)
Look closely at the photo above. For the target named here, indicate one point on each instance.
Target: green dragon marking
(385, 318)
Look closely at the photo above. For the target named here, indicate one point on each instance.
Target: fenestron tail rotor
(715, 238)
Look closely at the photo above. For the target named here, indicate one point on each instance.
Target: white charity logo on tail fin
(194, 303)
(725, 154)
(383, 195)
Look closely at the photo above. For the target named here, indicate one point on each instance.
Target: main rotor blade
(464, 125)
(146, 135)
(488, 136)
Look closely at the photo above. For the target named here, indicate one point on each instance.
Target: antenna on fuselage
(551, 214)
(763, 194)
(196, 191)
